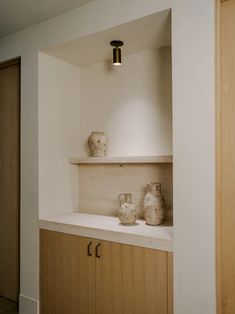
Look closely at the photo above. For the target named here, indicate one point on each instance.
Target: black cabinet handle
(97, 251)
(89, 249)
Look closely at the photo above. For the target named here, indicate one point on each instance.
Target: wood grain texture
(131, 280)
(170, 289)
(124, 280)
(100, 186)
(67, 274)
(9, 180)
(121, 160)
(219, 305)
(226, 161)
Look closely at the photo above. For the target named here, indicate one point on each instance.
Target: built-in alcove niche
(83, 92)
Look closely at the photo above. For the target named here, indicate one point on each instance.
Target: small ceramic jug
(127, 212)
(98, 143)
(154, 205)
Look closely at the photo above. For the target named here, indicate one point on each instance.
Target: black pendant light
(117, 54)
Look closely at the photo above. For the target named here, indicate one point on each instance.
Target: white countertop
(109, 229)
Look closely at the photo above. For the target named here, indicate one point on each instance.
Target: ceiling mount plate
(116, 43)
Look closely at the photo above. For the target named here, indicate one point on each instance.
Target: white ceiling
(150, 32)
(19, 14)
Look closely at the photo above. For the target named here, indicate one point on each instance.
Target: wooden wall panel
(226, 159)
(100, 185)
(9, 180)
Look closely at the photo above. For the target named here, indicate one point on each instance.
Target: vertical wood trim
(218, 164)
(41, 243)
(170, 301)
(225, 241)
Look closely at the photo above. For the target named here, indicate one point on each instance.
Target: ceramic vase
(97, 143)
(127, 212)
(154, 205)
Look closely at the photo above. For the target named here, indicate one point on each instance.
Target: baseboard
(28, 305)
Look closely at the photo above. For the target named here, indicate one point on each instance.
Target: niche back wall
(132, 104)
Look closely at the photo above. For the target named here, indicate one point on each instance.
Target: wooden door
(67, 274)
(9, 179)
(226, 158)
(131, 280)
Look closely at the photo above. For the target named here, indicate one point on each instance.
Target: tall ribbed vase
(154, 205)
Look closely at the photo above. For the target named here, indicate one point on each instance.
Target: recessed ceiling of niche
(150, 32)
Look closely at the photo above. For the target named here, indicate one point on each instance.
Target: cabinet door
(131, 280)
(67, 274)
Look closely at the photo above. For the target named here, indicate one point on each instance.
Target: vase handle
(121, 196)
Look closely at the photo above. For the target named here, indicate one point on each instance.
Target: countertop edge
(108, 235)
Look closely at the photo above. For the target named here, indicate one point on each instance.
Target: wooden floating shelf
(121, 160)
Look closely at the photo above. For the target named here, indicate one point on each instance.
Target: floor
(8, 307)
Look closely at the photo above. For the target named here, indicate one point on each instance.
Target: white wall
(194, 156)
(29, 235)
(193, 122)
(131, 104)
(58, 133)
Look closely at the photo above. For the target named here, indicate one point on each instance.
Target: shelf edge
(121, 160)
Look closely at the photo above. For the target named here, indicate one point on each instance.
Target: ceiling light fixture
(117, 57)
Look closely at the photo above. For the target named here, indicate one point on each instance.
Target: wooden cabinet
(83, 276)
(67, 274)
(131, 280)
